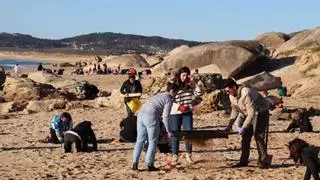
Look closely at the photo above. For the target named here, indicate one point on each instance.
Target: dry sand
(24, 157)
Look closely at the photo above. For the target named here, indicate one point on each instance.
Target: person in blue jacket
(58, 126)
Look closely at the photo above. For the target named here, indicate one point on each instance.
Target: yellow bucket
(135, 104)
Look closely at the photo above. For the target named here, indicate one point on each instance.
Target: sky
(198, 20)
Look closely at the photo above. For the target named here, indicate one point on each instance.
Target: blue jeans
(148, 129)
(176, 120)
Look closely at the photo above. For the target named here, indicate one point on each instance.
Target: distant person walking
(17, 70)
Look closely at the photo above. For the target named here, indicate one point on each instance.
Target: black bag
(128, 132)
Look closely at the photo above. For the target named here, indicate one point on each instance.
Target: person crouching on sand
(308, 155)
(148, 125)
(58, 126)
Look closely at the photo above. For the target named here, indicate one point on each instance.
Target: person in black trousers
(130, 86)
(81, 135)
(308, 155)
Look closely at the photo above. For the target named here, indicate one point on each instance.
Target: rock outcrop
(231, 56)
(18, 89)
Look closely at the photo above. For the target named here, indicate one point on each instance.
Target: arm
(233, 116)
(165, 115)
(311, 167)
(123, 88)
(251, 112)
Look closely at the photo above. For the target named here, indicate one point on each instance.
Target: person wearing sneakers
(255, 109)
(148, 125)
(181, 112)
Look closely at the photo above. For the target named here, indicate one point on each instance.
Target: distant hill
(108, 43)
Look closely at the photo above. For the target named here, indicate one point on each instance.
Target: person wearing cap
(130, 86)
(255, 109)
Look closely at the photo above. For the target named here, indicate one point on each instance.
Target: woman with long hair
(181, 112)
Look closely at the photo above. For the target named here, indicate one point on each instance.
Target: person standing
(17, 70)
(148, 125)
(255, 109)
(181, 112)
(130, 86)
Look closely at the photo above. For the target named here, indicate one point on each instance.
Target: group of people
(174, 109)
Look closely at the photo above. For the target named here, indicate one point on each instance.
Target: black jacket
(87, 135)
(311, 158)
(127, 87)
(128, 132)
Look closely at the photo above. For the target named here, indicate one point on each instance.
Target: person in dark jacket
(130, 86)
(308, 155)
(40, 67)
(80, 135)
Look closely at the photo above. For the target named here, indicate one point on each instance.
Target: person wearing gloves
(58, 126)
(308, 155)
(255, 109)
(181, 111)
(148, 125)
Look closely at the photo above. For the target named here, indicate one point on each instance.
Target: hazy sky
(201, 20)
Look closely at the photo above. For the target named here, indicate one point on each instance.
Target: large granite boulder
(230, 57)
(272, 40)
(300, 41)
(18, 89)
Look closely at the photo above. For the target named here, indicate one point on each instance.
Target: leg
(54, 138)
(259, 135)
(141, 138)
(68, 143)
(245, 145)
(153, 136)
(175, 125)
(79, 146)
(187, 123)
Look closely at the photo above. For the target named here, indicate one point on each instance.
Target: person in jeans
(255, 109)
(130, 86)
(148, 125)
(181, 111)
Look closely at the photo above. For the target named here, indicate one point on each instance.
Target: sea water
(8, 64)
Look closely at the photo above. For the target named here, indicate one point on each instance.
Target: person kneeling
(81, 135)
(308, 155)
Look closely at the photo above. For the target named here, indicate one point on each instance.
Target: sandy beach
(24, 157)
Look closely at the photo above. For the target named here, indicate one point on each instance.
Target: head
(172, 88)
(132, 78)
(295, 147)
(197, 70)
(182, 77)
(231, 87)
(66, 117)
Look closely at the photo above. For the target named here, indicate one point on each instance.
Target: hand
(170, 134)
(183, 108)
(241, 131)
(228, 129)
(60, 139)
